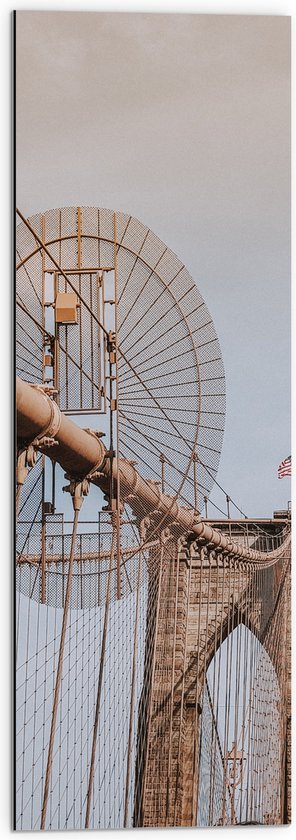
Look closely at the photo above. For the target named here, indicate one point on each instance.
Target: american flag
(285, 468)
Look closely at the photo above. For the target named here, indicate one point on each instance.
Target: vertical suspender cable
(59, 674)
(132, 700)
(198, 727)
(153, 665)
(246, 637)
(216, 709)
(99, 690)
(237, 691)
(214, 720)
(183, 689)
(225, 745)
(250, 674)
(232, 812)
(172, 687)
(205, 650)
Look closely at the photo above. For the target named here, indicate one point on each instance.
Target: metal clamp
(45, 442)
(46, 389)
(54, 424)
(144, 526)
(96, 471)
(26, 459)
(78, 490)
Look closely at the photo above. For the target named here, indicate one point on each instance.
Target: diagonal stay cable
(21, 360)
(22, 306)
(30, 281)
(31, 354)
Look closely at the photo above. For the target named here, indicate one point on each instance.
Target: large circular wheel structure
(170, 378)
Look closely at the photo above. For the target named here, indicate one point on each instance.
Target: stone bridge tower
(198, 596)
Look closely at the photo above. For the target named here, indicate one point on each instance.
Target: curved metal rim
(166, 286)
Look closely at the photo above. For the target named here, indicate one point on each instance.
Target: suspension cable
(77, 499)
(100, 683)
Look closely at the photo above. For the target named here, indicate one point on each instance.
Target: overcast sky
(183, 122)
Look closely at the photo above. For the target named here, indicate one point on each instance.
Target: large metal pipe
(79, 452)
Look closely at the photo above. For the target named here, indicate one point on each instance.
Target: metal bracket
(130, 497)
(111, 506)
(165, 535)
(45, 442)
(78, 490)
(111, 342)
(48, 390)
(144, 525)
(95, 433)
(26, 460)
(182, 547)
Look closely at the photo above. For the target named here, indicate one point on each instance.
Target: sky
(183, 122)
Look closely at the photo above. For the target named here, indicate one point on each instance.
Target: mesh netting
(92, 564)
(171, 381)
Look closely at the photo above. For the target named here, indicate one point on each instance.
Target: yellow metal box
(47, 360)
(66, 308)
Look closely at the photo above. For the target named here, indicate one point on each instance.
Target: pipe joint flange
(96, 471)
(53, 426)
